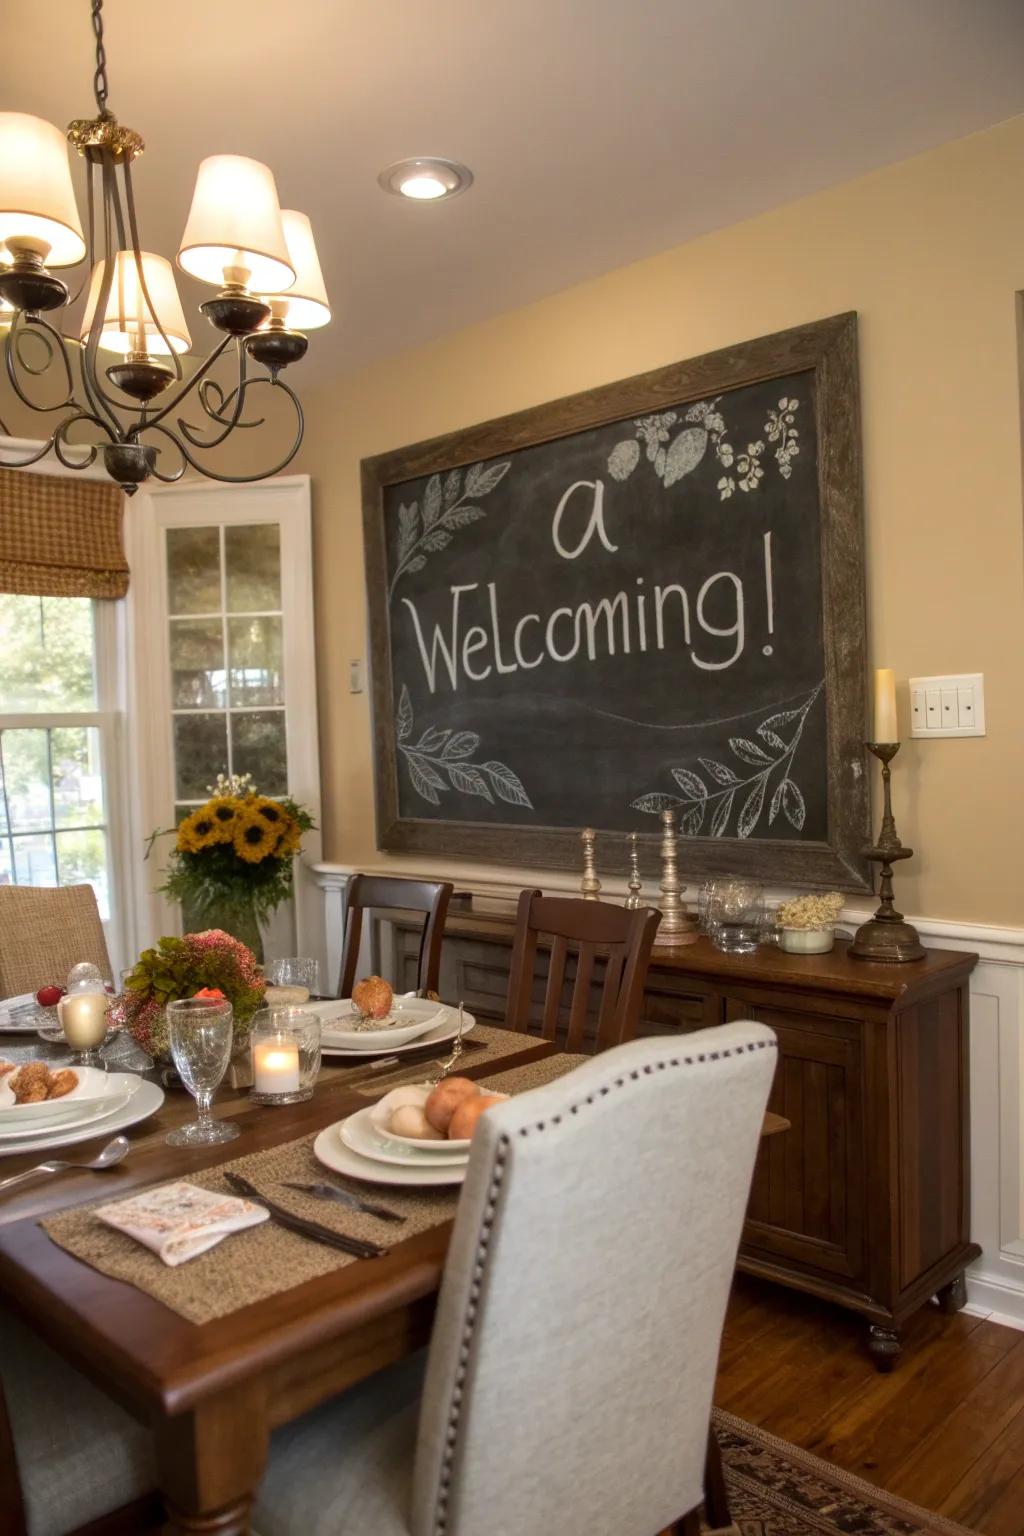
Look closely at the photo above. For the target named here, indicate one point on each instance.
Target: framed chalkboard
(647, 595)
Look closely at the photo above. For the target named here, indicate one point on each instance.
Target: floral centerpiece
(212, 963)
(232, 861)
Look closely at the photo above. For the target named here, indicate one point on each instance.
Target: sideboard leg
(953, 1296)
(885, 1346)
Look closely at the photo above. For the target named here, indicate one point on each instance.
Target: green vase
(235, 915)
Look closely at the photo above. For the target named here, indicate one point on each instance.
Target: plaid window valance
(60, 537)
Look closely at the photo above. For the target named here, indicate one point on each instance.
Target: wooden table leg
(210, 1461)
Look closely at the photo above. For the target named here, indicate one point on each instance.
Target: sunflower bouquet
(233, 857)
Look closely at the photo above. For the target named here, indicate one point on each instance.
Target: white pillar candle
(886, 726)
(83, 1018)
(275, 1065)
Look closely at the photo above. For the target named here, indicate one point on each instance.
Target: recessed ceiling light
(425, 180)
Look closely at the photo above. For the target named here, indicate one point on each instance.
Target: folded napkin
(180, 1221)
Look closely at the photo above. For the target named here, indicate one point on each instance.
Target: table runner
(265, 1260)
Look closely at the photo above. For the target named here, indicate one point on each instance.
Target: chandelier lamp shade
(122, 390)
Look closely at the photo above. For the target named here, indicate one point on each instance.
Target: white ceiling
(599, 131)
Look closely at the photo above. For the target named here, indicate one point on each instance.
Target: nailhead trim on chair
(484, 1239)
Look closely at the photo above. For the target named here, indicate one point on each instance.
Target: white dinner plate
(360, 1135)
(22, 1015)
(143, 1103)
(409, 1017)
(94, 1085)
(126, 1084)
(447, 1029)
(333, 1153)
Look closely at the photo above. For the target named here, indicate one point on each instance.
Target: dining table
(211, 1393)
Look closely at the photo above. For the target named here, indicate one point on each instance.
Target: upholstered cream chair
(570, 1374)
(44, 931)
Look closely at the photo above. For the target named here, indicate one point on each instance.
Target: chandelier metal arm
(140, 267)
(190, 385)
(261, 474)
(227, 423)
(14, 359)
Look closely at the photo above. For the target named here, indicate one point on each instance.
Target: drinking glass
(200, 1034)
(296, 972)
(735, 912)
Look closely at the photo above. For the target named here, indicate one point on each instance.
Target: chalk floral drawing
(440, 761)
(674, 457)
(449, 503)
(720, 789)
(779, 429)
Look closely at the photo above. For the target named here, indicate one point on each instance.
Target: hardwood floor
(945, 1429)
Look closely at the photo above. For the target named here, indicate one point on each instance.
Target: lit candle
(886, 726)
(83, 1018)
(275, 1065)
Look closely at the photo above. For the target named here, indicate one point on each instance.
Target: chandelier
(120, 382)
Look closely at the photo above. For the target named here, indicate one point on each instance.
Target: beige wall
(930, 253)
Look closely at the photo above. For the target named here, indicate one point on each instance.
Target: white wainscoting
(996, 1281)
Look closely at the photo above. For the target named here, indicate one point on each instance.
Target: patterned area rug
(776, 1489)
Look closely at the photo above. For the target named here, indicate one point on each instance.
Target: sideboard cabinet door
(807, 1202)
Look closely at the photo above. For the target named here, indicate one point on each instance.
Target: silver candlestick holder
(635, 884)
(590, 885)
(678, 926)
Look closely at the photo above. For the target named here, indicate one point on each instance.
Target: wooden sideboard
(866, 1199)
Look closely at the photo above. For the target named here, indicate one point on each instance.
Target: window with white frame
(56, 744)
(227, 669)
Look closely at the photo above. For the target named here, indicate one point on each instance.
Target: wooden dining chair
(44, 931)
(585, 935)
(391, 893)
(570, 1374)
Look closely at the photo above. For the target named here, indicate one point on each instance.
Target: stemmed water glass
(200, 1031)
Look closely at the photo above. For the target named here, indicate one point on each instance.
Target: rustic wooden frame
(829, 348)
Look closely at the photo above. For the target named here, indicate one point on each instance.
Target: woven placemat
(265, 1260)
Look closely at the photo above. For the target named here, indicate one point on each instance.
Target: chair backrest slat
(366, 892)
(612, 948)
(577, 1331)
(556, 978)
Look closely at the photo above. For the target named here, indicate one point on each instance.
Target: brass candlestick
(590, 885)
(886, 936)
(635, 883)
(677, 925)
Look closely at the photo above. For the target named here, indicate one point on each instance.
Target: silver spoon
(113, 1153)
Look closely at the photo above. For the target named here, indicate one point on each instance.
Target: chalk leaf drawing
(449, 503)
(438, 762)
(673, 457)
(709, 799)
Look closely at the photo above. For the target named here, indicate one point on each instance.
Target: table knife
(344, 1197)
(412, 1058)
(355, 1247)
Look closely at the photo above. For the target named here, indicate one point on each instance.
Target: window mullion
(53, 804)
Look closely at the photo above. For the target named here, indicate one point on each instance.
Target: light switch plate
(948, 706)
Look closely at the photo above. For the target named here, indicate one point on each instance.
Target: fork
(113, 1153)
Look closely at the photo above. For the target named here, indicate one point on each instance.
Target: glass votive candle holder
(735, 910)
(83, 1022)
(296, 973)
(285, 1046)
